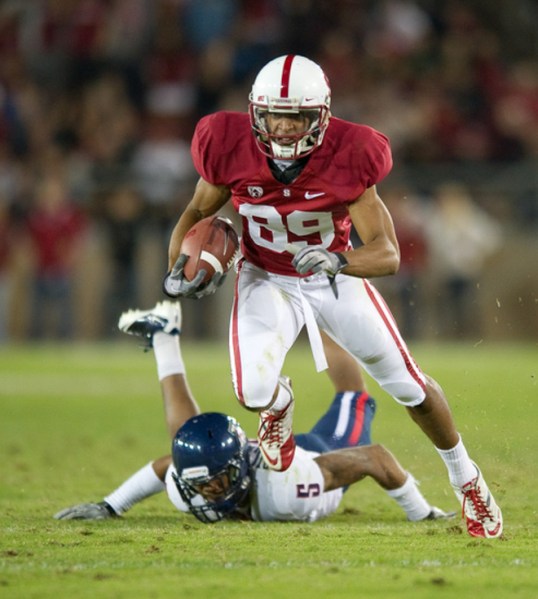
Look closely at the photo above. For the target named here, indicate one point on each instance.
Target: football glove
(175, 284)
(87, 511)
(316, 259)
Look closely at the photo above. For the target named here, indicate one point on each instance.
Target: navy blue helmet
(210, 455)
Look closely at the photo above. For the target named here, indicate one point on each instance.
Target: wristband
(342, 260)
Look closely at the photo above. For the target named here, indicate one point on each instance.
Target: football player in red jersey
(301, 179)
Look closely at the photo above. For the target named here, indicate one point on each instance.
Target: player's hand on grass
(87, 511)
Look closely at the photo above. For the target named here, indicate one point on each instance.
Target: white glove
(87, 511)
(175, 284)
(315, 258)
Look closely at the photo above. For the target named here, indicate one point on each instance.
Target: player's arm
(144, 483)
(347, 466)
(380, 254)
(207, 200)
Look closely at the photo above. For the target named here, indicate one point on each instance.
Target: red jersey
(54, 237)
(312, 210)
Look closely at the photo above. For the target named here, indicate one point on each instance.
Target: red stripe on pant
(392, 327)
(355, 434)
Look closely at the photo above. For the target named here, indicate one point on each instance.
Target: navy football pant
(347, 423)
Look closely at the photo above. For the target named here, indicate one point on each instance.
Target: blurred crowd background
(99, 99)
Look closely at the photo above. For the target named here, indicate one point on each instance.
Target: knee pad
(259, 395)
(406, 394)
(255, 393)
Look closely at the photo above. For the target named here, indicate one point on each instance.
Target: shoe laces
(272, 429)
(478, 505)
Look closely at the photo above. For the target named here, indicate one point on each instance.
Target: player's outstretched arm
(347, 466)
(144, 483)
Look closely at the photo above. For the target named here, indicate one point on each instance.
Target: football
(212, 245)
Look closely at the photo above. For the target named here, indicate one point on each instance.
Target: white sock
(167, 355)
(411, 500)
(282, 399)
(140, 485)
(460, 468)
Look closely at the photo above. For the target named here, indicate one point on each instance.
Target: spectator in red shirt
(55, 227)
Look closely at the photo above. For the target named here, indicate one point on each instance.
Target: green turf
(76, 420)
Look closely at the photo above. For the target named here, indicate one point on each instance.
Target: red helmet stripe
(286, 72)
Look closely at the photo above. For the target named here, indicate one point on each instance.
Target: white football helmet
(296, 85)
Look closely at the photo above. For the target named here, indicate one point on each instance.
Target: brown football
(212, 245)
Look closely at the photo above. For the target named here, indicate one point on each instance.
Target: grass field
(76, 420)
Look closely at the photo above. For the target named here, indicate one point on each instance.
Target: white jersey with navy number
(294, 495)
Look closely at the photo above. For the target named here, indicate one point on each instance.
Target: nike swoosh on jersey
(309, 195)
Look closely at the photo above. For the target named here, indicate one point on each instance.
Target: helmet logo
(195, 472)
(254, 191)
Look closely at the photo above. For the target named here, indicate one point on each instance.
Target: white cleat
(275, 434)
(165, 317)
(482, 515)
